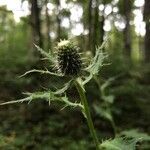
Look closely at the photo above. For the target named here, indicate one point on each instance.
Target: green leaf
(134, 133)
(125, 143)
(48, 96)
(120, 143)
(42, 72)
(105, 113)
(62, 90)
(96, 63)
(107, 83)
(49, 56)
(109, 98)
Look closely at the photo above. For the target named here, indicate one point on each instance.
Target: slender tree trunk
(98, 31)
(102, 32)
(96, 26)
(90, 24)
(147, 35)
(58, 21)
(48, 42)
(127, 30)
(36, 38)
(35, 23)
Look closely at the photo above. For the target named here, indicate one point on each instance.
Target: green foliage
(96, 63)
(134, 133)
(103, 112)
(120, 143)
(59, 95)
(129, 142)
(104, 109)
(48, 56)
(49, 96)
(123, 101)
(5, 142)
(14, 55)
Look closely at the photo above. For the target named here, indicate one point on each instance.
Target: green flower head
(68, 58)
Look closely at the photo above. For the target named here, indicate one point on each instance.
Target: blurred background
(119, 98)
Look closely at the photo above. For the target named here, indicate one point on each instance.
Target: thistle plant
(68, 62)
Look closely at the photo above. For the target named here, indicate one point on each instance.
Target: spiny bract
(68, 58)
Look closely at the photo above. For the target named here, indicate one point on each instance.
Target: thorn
(64, 107)
(29, 101)
(49, 102)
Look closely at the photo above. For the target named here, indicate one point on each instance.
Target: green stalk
(87, 113)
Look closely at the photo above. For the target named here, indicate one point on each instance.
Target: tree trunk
(96, 27)
(98, 31)
(48, 42)
(147, 35)
(58, 21)
(90, 24)
(35, 23)
(102, 32)
(127, 30)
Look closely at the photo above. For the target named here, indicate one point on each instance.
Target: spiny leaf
(96, 63)
(105, 113)
(120, 143)
(109, 99)
(49, 56)
(134, 133)
(125, 143)
(107, 83)
(62, 90)
(42, 72)
(31, 97)
(87, 79)
(49, 96)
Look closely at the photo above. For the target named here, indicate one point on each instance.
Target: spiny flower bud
(68, 58)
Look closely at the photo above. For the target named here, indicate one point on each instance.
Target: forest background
(124, 80)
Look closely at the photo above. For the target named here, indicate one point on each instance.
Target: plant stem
(87, 112)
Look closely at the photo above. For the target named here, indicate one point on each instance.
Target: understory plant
(104, 109)
(68, 62)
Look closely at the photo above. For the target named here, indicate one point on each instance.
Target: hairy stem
(87, 112)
